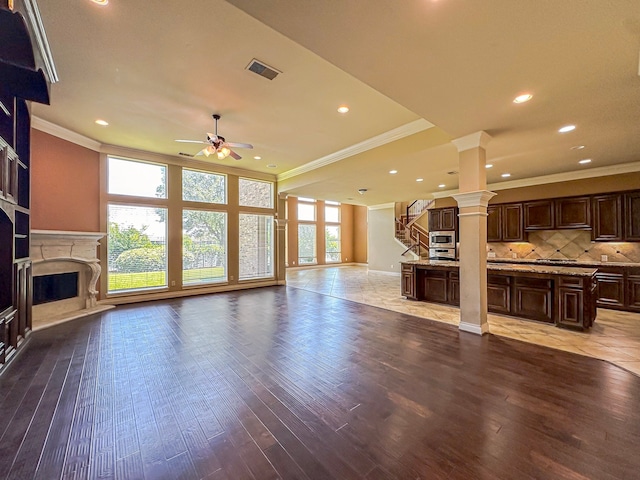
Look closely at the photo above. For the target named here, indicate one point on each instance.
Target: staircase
(412, 235)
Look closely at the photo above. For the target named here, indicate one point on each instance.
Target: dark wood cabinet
(408, 285)
(632, 216)
(504, 223)
(453, 288)
(539, 215)
(611, 291)
(443, 219)
(633, 290)
(607, 218)
(494, 223)
(573, 212)
(533, 299)
(576, 301)
(512, 223)
(435, 286)
(499, 293)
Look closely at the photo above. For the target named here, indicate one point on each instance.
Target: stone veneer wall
(566, 244)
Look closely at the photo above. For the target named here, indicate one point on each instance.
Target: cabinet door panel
(633, 292)
(512, 223)
(449, 219)
(494, 223)
(632, 217)
(539, 215)
(531, 302)
(610, 289)
(607, 218)
(570, 306)
(573, 212)
(435, 222)
(435, 286)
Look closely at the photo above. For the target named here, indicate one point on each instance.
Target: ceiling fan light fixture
(223, 153)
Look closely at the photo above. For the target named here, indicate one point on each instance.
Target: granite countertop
(576, 271)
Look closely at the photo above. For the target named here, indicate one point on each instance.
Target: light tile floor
(615, 337)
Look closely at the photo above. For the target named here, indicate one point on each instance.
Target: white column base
(474, 328)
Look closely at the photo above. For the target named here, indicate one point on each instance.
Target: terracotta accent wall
(65, 185)
(353, 222)
(360, 233)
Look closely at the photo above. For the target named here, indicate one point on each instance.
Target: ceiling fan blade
(238, 145)
(234, 155)
(191, 141)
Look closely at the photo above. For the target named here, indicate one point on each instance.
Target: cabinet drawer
(407, 268)
(570, 282)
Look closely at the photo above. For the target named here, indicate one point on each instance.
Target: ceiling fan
(217, 145)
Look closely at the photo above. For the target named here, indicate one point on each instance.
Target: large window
(204, 252)
(255, 193)
(306, 210)
(332, 243)
(183, 234)
(140, 179)
(203, 187)
(307, 244)
(256, 246)
(137, 247)
(332, 232)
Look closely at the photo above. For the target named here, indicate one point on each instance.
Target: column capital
(478, 198)
(473, 140)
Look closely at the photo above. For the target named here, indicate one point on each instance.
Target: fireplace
(51, 288)
(65, 276)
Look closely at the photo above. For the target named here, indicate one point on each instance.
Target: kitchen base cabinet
(633, 293)
(567, 300)
(611, 291)
(533, 299)
(408, 285)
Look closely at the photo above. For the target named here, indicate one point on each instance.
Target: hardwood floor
(285, 383)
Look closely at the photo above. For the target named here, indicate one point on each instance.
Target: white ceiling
(157, 71)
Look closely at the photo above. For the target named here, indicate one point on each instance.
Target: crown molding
(65, 134)
(37, 27)
(374, 142)
(555, 178)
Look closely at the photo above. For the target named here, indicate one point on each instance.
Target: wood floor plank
(284, 383)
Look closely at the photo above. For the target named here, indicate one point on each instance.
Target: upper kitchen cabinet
(573, 212)
(607, 218)
(443, 219)
(632, 216)
(538, 215)
(504, 223)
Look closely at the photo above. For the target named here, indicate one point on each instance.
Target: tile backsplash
(566, 244)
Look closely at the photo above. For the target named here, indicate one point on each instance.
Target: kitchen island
(562, 295)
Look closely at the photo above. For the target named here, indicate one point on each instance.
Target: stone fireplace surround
(55, 252)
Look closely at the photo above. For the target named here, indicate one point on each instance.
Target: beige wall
(65, 185)
(586, 186)
(385, 252)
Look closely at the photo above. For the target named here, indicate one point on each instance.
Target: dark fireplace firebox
(51, 288)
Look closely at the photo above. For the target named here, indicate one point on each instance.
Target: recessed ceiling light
(442, 185)
(525, 97)
(257, 157)
(272, 165)
(577, 147)
(489, 165)
(419, 179)
(343, 109)
(506, 175)
(100, 2)
(585, 160)
(393, 172)
(567, 128)
(101, 122)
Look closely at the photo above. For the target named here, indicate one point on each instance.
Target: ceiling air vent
(256, 66)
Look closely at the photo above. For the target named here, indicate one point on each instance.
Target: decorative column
(472, 202)
(281, 239)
